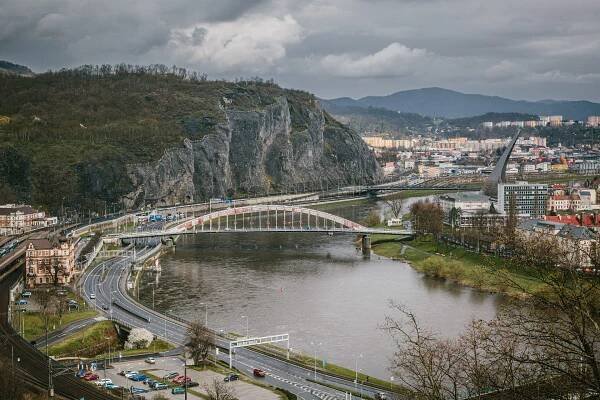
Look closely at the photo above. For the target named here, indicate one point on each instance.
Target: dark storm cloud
(516, 48)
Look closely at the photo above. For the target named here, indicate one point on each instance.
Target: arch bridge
(266, 218)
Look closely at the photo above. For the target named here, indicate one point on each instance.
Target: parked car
(149, 382)
(21, 302)
(231, 378)
(105, 307)
(259, 373)
(80, 373)
(129, 374)
(91, 377)
(170, 375)
(139, 378)
(92, 296)
(181, 378)
(380, 396)
(102, 382)
(159, 386)
(178, 390)
(124, 372)
(136, 390)
(111, 386)
(26, 294)
(150, 360)
(190, 384)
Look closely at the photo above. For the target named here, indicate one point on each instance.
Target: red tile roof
(583, 220)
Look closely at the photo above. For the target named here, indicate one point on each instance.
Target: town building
(529, 199)
(466, 210)
(16, 219)
(587, 167)
(577, 241)
(559, 202)
(593, 120)
(49, 262)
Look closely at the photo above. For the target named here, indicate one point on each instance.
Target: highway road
(108, 282)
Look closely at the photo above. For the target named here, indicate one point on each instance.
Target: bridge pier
(366, 245)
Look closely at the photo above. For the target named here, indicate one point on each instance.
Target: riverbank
(477, 270)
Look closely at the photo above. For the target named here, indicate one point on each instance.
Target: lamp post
(185, 383)
(246, 317)
(205, 314)
(315, 357)
(356, 370)
(165, 318)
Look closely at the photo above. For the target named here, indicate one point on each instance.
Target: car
(259, 373)
(149, 381)
(178, 390)
(136, 390)
(102, 382)
(92, 296)
(81, 373)
(105, 307)
(380, 396)
(61, 292)
(26, 294)
(170, 375)
(139, 378)
(150, 360)
(124, 372)
(190, 384)
(231, 378)
(129, 374)
(91, 377)
(111, 386)
(181, 378)
(159, 386)
(21, 302)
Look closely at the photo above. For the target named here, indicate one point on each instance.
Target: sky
(521, 49)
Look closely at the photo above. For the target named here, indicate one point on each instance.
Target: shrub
(139, 338)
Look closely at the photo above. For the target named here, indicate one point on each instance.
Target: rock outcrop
(254, 152)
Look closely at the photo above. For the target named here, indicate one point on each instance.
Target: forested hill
(134, 135)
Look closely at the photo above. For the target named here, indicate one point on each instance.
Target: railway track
(33, 365)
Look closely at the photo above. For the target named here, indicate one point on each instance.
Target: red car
(91, 377)
(180, 379)
(259, 373)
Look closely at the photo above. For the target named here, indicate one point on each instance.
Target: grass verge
(477, 270)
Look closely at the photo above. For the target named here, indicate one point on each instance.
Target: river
(318, 288)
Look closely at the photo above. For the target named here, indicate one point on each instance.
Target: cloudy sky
(526, 49)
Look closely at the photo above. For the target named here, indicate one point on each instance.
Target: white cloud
(252, 43)
(394, 60)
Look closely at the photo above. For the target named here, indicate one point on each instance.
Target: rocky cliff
(255, 152)
(99, 136)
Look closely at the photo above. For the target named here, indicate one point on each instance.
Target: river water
(318, 288)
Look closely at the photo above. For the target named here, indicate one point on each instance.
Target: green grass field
(93, 342)
(477, 270)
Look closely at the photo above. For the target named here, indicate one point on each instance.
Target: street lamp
(315, 358)
(356, 370)
(245, 316)
(205, 314)
(165, 318)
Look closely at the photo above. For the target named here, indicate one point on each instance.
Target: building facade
(48, 263)
(16, 219)
(529, 199)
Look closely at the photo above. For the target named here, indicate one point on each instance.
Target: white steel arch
(270, 217)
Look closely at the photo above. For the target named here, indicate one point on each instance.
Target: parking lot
(243, 390)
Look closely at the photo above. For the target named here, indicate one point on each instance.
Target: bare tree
(200, 342)
(395, 206)
(218, 390)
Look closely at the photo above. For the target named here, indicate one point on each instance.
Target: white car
(150, 360)
(92, 296)
(130, 374)
(102, 382)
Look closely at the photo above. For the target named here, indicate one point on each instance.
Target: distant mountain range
(7, 67)
(438, 102)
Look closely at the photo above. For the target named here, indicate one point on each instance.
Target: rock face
(255, 152)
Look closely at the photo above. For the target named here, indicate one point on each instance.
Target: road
(108, 281)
